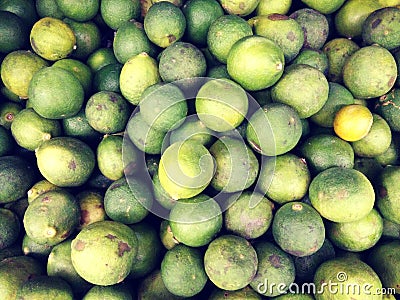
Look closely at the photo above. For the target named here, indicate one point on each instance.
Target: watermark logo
(340, 286)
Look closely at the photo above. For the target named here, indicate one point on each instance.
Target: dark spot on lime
(72, 165)
(122, 248)
(277, 17)
(275, 260)
(110, 236)
(80, 245)
(375, 23)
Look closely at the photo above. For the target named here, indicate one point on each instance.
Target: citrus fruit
(250, 214)
(341, 194)
(117, 12)
(78, 11)
(91, 204)
(14, 33)
(199, 15)
(358, 235)
(138, 73)
(127, 200)
(388, 197)
(100, 58)
(17, 176)
(255, 62)
(30, 130)
(350, 17)
(115, 292)
(274, 264)
(352, 122)
(285, 178)
(40, 187)
(230, 262)
(25, 9)
(10, 228)
(51, 217)
(78, 126)
(153, 287)
(130, 40)
(284, 31)
(323, 151)
(163, 106)
(221, 104)
(181, 60)
(266, 7)
(48, 8)
(41, 287)
(315, 26)
(194, 129)
(337, 51)
(186, 168)
(324, 7)
(338, 96)
(107, 78)
(190, 278)
(109, 156)
(244, 293)
(380, 66)
(298, 229)
(164, 23)
(223, 33)
(160, 195)
(55, 93)
(88, 38)
(107, 112)
(17, 69)
(304, 88)
(8, 111)
(65, 161)
(377, 141)
(388, 107)
(103, 252)
(52, 38)
(239, 8)
(274, 129)
(7, 143)
(314, 58)
(35, 250)
(195, 221)
(236, 165)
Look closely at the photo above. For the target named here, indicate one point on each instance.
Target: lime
(325, 6)
(114, 292)
(34, 249)
(314, 58)
(13, 32)
(195, 221)
(199, 15)
(223, 33)
(25, 9)
(91, 204)
(164, 23)
(138, 73)
(342, 194)
(266, 7)
(55, 93)
(52, 38)
(8, 111)
(186, 168)
(352, 122)
(65, 161)
(79, 127)
(42, 287)
(255, 62)
(239, 8)
(107, 78)
(17, 69)
(10, 228)
(30, 129)
(41, 187)
(192, 129)
(78, 10)
(100, 58)
(107, 112)
(221, 104)
(48, 8)
(388, 197)
(109, 157)
(117, 12)
(6, 141)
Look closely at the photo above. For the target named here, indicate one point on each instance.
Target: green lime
(186, 168)
(7, 142)
(107, 78)
(55, 93)
(195, 221)
(109, 157)
(40, 187)
(8, 112)
(199, 15)
(78, 126)
(91, 204)
(112, 292)
(25, 9)
(100, 58)
(30, 129)
(314, 58)
(221, 104)
(223, 33)
(51, 217)
(164, 23)
(117, 12)
(107, 112)
(14, 33)
(388, 197)
(266, 7)
(44, 287)
(65, 161)
(78, 10)
(10, 228)
(48, 8)
(52, 38)
(239, 8)
(34, 249)
(193, 129)
(17, 69)
(325, 6)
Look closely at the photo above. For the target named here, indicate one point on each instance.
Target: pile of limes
(199, 149)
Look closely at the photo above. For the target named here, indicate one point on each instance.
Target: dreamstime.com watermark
(338, 287)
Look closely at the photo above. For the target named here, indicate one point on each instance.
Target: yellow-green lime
(224, 32)
(52, 38)
(30, 129)
(221, 104)
(164, 23)
(239, 8)
(17, 69)
(78, 10)
(42, 287)
(138, 73)
(117, 12)
(255, 62)
(266, 7)
(324, 6)
(186, 168)
(13, 32)
(41, 187)
(109, 156)
(55, 93)
(91, 205)
(65, 161)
